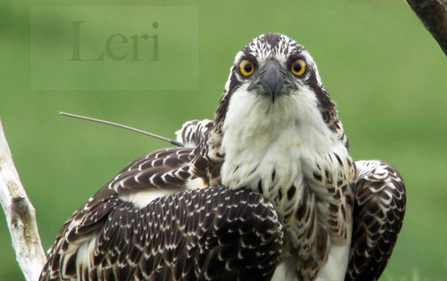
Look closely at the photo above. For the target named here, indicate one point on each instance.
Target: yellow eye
(298, 67)
(246, 68)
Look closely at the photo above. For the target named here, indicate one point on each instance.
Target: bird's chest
(285, 174)
(308, 188)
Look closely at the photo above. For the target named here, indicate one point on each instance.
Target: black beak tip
(272, 80)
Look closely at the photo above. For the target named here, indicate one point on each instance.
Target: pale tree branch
(433, 14)
(20, 215)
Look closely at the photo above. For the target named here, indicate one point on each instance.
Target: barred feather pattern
(379, 210)
(208, 234)
(194, 132)
(163, 169)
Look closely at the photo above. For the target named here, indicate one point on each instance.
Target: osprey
(265, 190)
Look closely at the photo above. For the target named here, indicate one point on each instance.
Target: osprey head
(274, 73)
(273, 89)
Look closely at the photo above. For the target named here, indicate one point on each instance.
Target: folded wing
(379, 208)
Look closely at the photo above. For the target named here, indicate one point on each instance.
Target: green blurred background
(385, 71)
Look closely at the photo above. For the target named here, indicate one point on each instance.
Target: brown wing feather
(194, 132)
(207, 234)
(165, 168)
(379, 210)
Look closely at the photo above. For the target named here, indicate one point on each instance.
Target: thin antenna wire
(179, 144)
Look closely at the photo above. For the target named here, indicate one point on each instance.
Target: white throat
(261, 138)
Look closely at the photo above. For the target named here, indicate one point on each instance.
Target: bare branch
(20, 215)
(433, 14)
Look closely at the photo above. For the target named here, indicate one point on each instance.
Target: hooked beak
(272, 81)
